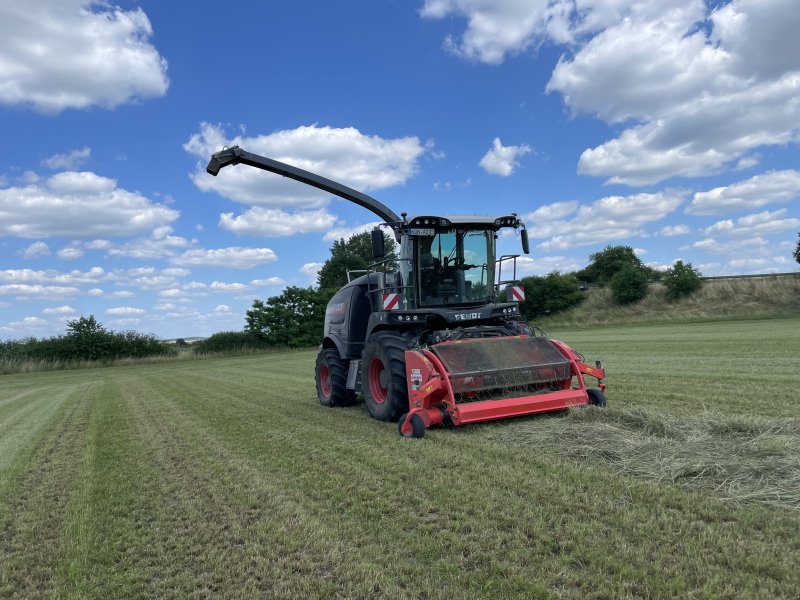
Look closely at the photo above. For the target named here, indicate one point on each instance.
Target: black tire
(383, 375)
(417, 426)
(596, 397)
(331, 377)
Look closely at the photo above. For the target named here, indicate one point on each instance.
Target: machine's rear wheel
(331, 376)
(383, 376)
(596, 397)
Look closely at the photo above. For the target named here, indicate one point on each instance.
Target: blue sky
(669, 126)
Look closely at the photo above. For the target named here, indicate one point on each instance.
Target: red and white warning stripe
(391, 300)
(516, 293)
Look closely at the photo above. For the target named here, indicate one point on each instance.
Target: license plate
(420, 231)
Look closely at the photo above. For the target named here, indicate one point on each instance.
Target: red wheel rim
(376, 386)
(325, 380)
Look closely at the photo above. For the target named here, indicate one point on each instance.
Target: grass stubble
(226, 478)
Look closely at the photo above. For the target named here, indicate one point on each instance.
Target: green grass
(224, 477)
(717, 299)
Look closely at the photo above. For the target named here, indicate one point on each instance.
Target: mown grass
(226, 478)
(717, 299)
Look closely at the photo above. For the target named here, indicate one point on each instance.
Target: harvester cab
(427, 337)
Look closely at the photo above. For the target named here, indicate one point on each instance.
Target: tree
(681, 280)
(549, 295)
(353, 254)
(87, 338)
(607, 263)
(294, 318)
(628, 285)
(797, 249)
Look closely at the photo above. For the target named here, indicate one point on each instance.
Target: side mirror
(525, 246)
(378, 249)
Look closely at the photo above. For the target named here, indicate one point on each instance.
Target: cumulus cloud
(345, 232)
(696, 87)
(233, 257)
(59, 54)
(24, 291)
(542, 265)
(125, 310)
(673, 230)
(502, 160)
(71, 252)
(771, 187)
(78, 205)
(274, 222)
(222, 309)
(59, 310)
(610, 218)
(363, 162)
(758, 224)
(551, 212)
(159, 245)
(69, 161)
(36, 250)
(51, 276)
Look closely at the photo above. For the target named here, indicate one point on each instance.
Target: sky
(671, 126)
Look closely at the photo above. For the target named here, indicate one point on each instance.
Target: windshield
(455, 267)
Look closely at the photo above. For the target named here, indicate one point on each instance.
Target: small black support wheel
(383, 375)
(596, 397)
(331, 376)
(417, 426)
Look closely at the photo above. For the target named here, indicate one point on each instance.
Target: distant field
(225, 477)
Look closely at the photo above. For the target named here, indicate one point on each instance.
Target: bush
(87, 339)
(682, 280)
(550, 294)
(229, 341)
(629, 285)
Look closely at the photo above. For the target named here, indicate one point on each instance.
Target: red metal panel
(474, 412)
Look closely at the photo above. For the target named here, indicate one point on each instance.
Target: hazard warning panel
(391, 300)
(516, 293)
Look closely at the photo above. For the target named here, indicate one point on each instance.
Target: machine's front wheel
(417, 426)
(331, 376)
(383, 376)
(596, 397)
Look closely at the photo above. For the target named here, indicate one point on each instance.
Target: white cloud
(28, 322)
(552, 212)
(346, 155)
(768, 188)
(78, 205)
(71, 252)
(274, 222)
(610, 218)
(502, 160)
(754, 225)
(696, 86)
(59, 310)
(311, 269)
(232, 257)
(36, 250)
(24, 291)
(345, 233)
(122, 294)
(170, 293)
(751, 246)
(59, 54)
(673, 230)
(267, 282)
(51, 276)
(164, 306)
(222, 309)
(700, 100)
(219, 286)
(158, 245)
(95, 292)
(125, 310)
(69, 161)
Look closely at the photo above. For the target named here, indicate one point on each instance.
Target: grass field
(225, 477)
